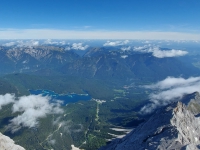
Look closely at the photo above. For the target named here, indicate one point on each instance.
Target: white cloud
(32, 108)
(157, 52)
(62, 42)
(168, 53)
(126, 42)
(52, 142)
(77, 46)
(9, 44)
(146, 42)
(28, 43)
(126, 48)
(51, 42)
(98, 34)
(35, 43)
(124, 56)
(86, 27)
(143, 48)
(6, 99)
(21, 43)
(171, 82)
(116, 43)
(67, 48)
(169, 90)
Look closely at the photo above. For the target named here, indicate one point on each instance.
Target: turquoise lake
(66, 98)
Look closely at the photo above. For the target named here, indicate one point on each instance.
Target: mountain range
(31, 59)
(100, 63)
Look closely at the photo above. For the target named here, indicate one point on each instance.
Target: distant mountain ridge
(30, 59)
(100, 63)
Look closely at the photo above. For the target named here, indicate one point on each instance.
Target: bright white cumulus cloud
(28, 43)
(30, 108)
(6, 99)
(168, 53)
(169, 90)
(126, 48)
(157, 52)
(124, 56)
(77, 46)
(116, 43)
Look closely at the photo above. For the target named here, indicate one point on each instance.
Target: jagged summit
(172, 127)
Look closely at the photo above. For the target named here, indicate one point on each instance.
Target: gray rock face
(188, 126)
(172, 127)
(8, 144)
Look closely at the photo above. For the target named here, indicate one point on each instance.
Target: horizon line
(96, 34)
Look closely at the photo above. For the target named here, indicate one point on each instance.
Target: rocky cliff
(172, 127)
(8, 144)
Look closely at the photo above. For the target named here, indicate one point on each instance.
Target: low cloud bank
(169, 90)
(30, 108)
(157, 52)
(116, 43)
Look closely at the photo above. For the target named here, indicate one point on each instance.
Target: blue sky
(142, 19)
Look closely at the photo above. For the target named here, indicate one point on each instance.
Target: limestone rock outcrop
(8, 144)
(187, 125)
